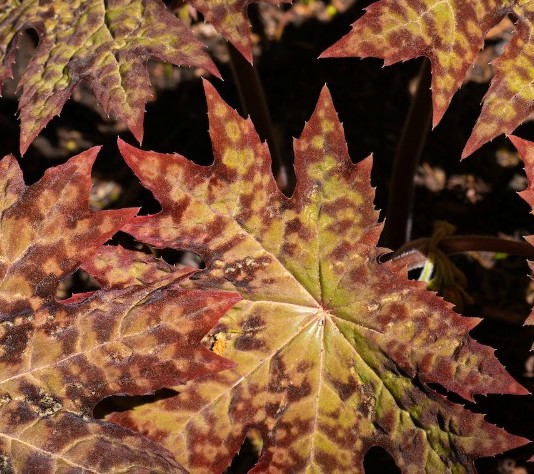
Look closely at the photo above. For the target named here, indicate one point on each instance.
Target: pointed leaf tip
(217, 107)
(325, 94)
(136, 127)
(209, 90)
(230, 19)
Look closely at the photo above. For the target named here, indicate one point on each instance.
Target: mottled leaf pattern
(104, 43)
(33, 441)
(334, 350)
(47, 230)
(139, 333)
(230, 18)
(450, 33)
(526, 150)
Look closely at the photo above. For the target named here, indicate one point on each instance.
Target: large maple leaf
(104, 43)
(139, 333)
(451, 33)
(334, 350)
(230, 19)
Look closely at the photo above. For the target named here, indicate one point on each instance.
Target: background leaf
(451, 34)
(230, 18)
(526, 150)
(104, 43)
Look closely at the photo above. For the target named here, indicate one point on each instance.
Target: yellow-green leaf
(334, 350)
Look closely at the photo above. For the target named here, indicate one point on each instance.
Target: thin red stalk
(411, 255)
(473, 243)
(397, 225)
(253, 103)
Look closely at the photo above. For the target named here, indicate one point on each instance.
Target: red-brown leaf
(526, 150)
(230, 18)
(139, 333)
(451, 34)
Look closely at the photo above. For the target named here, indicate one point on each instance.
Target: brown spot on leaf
(345, 390)
(103, 326)
(245, 204)
(22, 414)
(38, 462)
(252, 328)
(290, 249)
(304, 366)
(327, 461)
(242, 272)
(295, 226)
(341, 251)
(180, 207)
(69, 339)
(275, 410)
(295, 393)
(216, 226)
(268, 281)
(226, 173)
(386, 422)
(14, 340)
(341, 226)
(279, 381)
